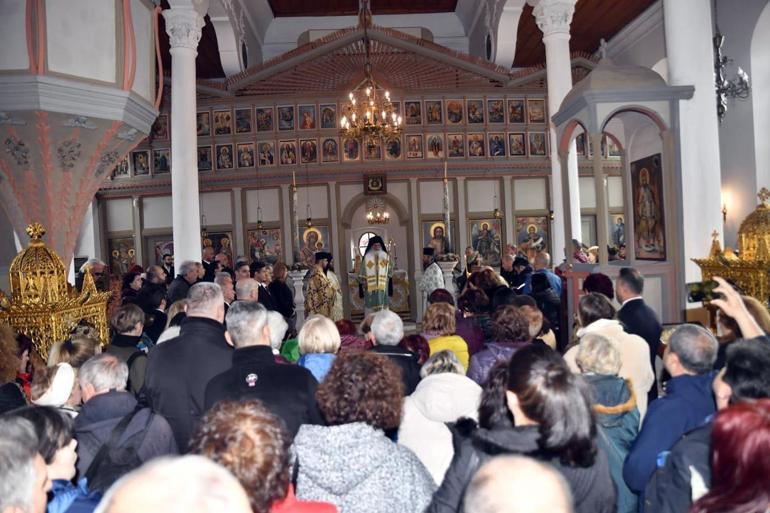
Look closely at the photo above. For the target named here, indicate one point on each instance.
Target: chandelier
(738, 87)
(368, 111)
(377, 211)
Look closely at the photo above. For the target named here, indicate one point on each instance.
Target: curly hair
(509, 324)
(362, 387)
(440, 317)
(487, 280)
(474, 301)
(252, 443)
(9, 354)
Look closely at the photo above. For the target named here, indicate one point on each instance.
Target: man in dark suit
(636, 316)
(209, 264)
(262, 275)
(287, 390)
(180, 286)
(179, 370)
(168, 267)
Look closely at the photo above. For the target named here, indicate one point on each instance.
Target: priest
(374, 278)
(320, 294)
(432, 278)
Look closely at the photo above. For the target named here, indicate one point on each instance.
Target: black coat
(407, 361)
(155, 324)
(592, 488)
(640, 319)
(550, 304)
(179, 370)
(178, 289)
(211, 271)
(266, 298)
(283, 298)
(287, 390)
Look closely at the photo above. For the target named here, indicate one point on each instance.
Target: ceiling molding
(647, 22)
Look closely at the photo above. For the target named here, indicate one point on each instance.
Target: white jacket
(439, 398)
(634, 357)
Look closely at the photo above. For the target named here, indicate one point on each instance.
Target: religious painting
(536, 111)
(537, 144)
(351, 150)
(203, 122)
(222, 242)
(617, 229)
(496, 111)
(160, 127)
(161, 245)
(580, 144)
(413, 112)
(517, 144)
(532, 235)
(486, 239)
(161, 161)
(265, 245)
(121, 170)
(434, 236)
(434, 114)
(225, 156)
(328, 115)
(314, 238)
(613, 149)
(308, 151)
(414, 146)
(245, 155)
(497, 145)
(287, 153)
(223, 122)
(264, 119)
(330, 151)
(286, 117)
(454, 112)
(393, 148)
(375, 185)
(649, 222)
(243, 121)
(372, 148)
(434, 144)
(475, 111)
(476, 145)
(141, 161)
(307, 117)
(204, 158)
(455, 145)
(516, 111)
(266, 153)
(122, 255)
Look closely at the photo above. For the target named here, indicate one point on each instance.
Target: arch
(760, 94)
(390, 200)
(568, 134)
(646, 111)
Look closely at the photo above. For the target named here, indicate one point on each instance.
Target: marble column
(602, 208)
(297, 281)
(553, 17)
(687, 25)
(184, 25)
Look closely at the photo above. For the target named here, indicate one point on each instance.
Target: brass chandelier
(369, 112)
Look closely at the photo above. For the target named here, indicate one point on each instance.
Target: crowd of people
(210, 397)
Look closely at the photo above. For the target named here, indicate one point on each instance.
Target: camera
(702, 292)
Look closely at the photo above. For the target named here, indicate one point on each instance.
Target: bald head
(506, 484)
(247, 289)
(190, 484)
(542, 261)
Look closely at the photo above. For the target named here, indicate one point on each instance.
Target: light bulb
(387, 95)
(353, 101)
(384, 116)
(353, 117)
(350, 95)
(395, 119)
(344, 120)
(368, 91)
(399, 120)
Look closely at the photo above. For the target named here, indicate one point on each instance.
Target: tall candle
(293, 178)
(445, 173)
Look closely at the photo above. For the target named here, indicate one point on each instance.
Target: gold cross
(35, 231)
(715, 235)
(764, 195)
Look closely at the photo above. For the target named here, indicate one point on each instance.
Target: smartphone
(702, 292)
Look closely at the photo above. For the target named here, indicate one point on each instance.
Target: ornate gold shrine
(43, 306)
(750, 268)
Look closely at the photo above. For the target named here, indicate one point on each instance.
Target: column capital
(183, 27)
(553, 17)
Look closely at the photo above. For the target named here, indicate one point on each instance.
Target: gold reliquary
(43, 306)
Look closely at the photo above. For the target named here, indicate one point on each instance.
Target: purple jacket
(483, 361)
(470, 331)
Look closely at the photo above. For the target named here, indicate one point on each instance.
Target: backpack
(115, 460)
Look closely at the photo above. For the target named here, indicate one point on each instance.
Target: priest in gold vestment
(321, 296)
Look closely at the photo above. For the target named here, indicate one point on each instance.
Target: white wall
(482, 195)
(13, 38)
(530, 194)
(269, 202)
(432, 197)
(217, 207)
(157, 212)
(760, 96)
(120, 215)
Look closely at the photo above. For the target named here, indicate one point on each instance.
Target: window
(363, 241)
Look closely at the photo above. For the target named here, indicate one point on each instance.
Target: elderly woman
(278, 328)
(438, 326)
(511, 328)
(444, 395)
(597, 316)
(350, 462)
(319, 342)
(615, 407)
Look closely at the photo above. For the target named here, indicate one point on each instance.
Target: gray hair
(598, 355)
(221, 277)
(388, 328)
(104, 372)
(245, 287)
(90, 263)
(204, 297)
(443, 361)
(245, 322)
(18, 448)
(187, 266)
(543, 258)
(278, 328)
(184, 484)
(695, 346)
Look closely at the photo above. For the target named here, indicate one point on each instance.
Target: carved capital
(554, 16)
(183, 27)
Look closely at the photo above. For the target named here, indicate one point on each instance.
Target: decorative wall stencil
(18, 150)
(107, 162)
(68, 152)
(79, 122)
(7, 119)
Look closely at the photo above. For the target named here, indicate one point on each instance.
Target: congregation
(494, 396)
